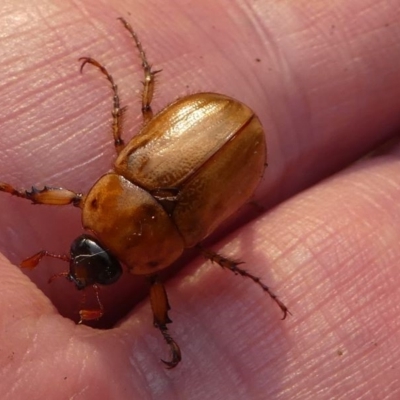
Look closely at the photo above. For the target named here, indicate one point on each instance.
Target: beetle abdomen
(178, 141)
(209, 148)
(222, 185)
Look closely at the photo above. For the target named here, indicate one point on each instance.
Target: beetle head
(91, 264)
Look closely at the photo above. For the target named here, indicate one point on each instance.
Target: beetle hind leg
(234, 267)
(117, 111)
(160, 307)
(149, 75)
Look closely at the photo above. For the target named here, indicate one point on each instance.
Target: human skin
(325, 83)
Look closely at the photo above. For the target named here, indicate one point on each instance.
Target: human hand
(325, 83)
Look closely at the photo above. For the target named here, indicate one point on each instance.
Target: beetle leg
(47, 195)
(149, 75)
(117, 112)
(84, 314)
(90, 315)
(233, 266)
(160, 307)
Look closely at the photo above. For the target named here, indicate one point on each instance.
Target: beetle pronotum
(189, 168)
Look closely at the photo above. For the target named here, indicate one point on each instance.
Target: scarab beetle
(189, 168)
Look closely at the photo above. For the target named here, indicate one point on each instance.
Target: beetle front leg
(160, 307)
(47, 195)
(149, 75)
(233, 266)
(84, 314)
(91, 314)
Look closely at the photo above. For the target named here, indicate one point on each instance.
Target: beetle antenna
(59, 275)
(33, 261)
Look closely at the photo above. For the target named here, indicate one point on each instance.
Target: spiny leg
(233, 266)
(84, 314)
(93, 314)
(149, 75)
(160, 307)
(47, 195)
(117, 112)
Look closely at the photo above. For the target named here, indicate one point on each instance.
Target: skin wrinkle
(276, 59)
(301, 250)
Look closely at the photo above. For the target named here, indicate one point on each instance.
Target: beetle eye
(91, 263)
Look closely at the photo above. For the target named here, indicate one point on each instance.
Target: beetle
(188, 169)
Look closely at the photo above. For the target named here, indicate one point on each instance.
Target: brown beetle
(188, 169)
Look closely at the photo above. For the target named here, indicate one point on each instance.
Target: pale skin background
(325, 82)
